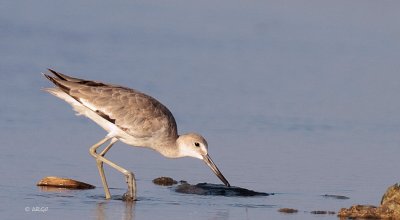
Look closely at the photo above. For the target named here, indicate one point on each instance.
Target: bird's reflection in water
(222, 214)
(129, 211)
(103, 210)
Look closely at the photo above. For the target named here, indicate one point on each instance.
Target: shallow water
(297, 99)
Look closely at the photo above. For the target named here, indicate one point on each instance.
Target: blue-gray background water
(299, 98)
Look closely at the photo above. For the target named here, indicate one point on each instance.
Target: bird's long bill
(214, 168)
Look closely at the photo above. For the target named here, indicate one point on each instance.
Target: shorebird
(131, 117)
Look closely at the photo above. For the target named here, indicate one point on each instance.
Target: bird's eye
(196, 144)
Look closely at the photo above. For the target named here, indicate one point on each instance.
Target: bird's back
(139, 115)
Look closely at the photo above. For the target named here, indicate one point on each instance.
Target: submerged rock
(59, 182)
(389, 208)
(335, 196)
(288, 210)
(319, 212)
(217, 190)
(164, 181)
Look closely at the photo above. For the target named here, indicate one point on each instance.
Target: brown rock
(359, 211)
(59, 182)
(389, 209)
(392, 194)
(391, 201)
(164, 181)
(288, 210)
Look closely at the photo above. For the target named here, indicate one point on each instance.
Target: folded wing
(126, 108)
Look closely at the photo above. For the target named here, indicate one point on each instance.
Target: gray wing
(136, 113)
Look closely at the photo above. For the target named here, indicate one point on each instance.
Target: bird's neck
(169, 149)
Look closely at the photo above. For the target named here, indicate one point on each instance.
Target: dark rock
(335, 196)
(164, 181)
(217, 190)
(389, 208)
(59, 182)
(288, 210)
(323, 212)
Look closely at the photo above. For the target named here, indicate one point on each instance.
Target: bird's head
(194, 145)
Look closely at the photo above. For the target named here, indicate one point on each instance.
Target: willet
(132, 117)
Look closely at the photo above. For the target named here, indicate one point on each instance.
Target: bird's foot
(128, 197)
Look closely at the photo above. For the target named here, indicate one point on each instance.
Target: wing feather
(136, 113)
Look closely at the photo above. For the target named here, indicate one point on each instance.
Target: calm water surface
(296, 98)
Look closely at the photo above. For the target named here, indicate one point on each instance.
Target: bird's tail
(65, 77)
